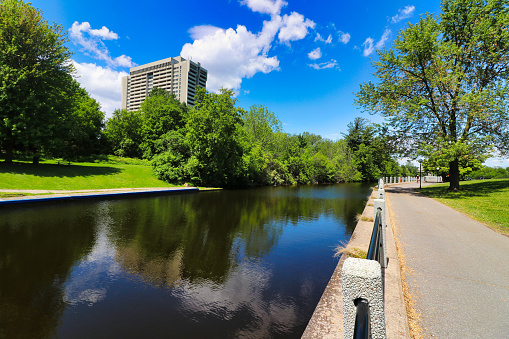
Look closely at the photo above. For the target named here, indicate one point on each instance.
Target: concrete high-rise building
(176, 75)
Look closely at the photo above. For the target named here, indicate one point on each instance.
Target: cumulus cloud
(265, 6)
(404, 13)
(200, 32)
(231, 55)
(370, 46)
(315, 54)
(103, 84)
(91, 41)
(295, 27)
(344, 37)
(329, 64)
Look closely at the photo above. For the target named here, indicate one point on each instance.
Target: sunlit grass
(484, 200)
(49, 175)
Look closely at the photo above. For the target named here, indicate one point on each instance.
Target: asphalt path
(458, 268)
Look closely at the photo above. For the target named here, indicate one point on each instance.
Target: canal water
(224, 264)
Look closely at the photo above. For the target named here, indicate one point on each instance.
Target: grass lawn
(49, 175)
(484, 200)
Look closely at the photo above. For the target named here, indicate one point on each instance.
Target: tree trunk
(8, 154)
(35, 159)
(454, 175)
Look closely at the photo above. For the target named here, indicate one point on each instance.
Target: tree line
(216, 143)
(45, 112)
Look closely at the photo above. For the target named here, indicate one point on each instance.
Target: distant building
(176, 75)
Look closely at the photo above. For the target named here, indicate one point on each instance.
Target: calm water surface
(247, 263)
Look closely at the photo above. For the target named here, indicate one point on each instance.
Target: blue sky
(302, 59)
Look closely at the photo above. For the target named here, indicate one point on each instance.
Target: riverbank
(327, 320)
(50, 175)
(41, 196)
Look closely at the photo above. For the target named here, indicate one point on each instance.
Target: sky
(303, 60)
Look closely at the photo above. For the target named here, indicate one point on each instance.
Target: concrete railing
(397, 180)
(363, 280)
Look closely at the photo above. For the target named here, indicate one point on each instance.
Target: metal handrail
(376, 244)
(362, 329)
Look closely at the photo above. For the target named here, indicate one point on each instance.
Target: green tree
(213, 132)
(161, 113)
(34, 74)
(371, 150)
(261, 125)
(444, 82)
(81, 131)
(124, 133)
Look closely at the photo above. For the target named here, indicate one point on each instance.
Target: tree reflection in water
(218, 264)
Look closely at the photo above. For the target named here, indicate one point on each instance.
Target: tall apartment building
(176, 75)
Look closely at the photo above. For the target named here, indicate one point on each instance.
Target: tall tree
(443, 85)
(161, 113)
(213, 128)
(34, 74)
(80, 131)
(123, 132)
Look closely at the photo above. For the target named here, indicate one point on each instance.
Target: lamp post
(438, 168)
(420, 172)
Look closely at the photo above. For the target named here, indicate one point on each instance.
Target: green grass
(49, 175)
(484, 200)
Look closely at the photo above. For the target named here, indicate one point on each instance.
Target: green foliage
(490, 173)
(443, 85)
(123, 132)
(371, 150)
(161, 113)
(213, 133)
(80, 132)
(34, 77)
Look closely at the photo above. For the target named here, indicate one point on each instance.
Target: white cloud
(315, 54)
(231, 55)
(91, 42)
(329, 64)
(234, 54)
(295, 27)
(103, 84)
(265, 6)
(404, 13)
(319, 38)
(200, 32)
(380, 44)
(370, 46)
(344, 37)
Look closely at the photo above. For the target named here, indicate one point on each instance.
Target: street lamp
(438, 168)
(420, 174)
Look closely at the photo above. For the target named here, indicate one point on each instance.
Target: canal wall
(327, 319)
(45, 196)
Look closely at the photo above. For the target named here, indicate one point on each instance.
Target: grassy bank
(484, 200)
(50, 175)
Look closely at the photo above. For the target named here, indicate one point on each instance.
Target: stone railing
(363, 281)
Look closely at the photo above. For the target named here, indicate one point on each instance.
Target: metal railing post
(380, 206)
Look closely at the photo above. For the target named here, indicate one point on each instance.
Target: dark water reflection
(247, 263)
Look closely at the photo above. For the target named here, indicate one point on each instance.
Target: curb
(94, 195)
(327, 319)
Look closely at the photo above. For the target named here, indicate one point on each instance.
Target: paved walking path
(458, 268)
